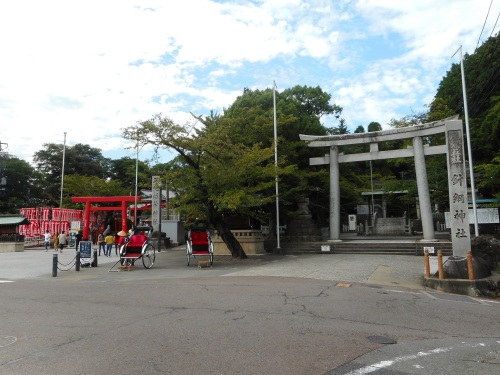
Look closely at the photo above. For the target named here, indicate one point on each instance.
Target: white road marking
(7, 340)
(387, 363)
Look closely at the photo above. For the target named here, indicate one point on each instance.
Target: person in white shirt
(46, 241)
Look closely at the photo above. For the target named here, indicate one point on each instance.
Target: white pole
(469, 149)
(62, 181)
(371, 180)
(136, 173)
(276, 164)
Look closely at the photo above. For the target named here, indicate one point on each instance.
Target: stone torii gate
(457, 183)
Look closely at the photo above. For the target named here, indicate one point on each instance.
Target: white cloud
(91, 68)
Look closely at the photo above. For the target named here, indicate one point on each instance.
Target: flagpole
(136, 180)
(469, 149)
(62, 183)
(276, 164)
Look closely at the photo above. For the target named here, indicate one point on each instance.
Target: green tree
(299, 110)
(21, 186)
(489, 183)
(79, 159)
(374, 127)
(123, 170)
(359, 129)
(482, 72)
(76, 185)
(211, 172)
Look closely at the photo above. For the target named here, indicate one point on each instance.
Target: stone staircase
(365, 247)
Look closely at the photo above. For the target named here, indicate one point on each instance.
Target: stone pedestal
(301, 227)
(250, 240)
(11, 247)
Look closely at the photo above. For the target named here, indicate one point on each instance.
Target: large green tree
(78, 159)
(299, 110)
(123, 170)
(76, 185)
(482, 74)
(20, 185)
(211, 173)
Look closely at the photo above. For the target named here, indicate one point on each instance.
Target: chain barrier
(65, 265)
(75, 262)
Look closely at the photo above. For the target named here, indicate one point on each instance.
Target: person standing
(109, 240)
(46, 240)
(119, 241)
(56, 241)
(63, 241)
(78, 239)
(102, 244)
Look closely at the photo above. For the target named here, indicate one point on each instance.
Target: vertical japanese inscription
(457, 184)
(455, 147)
(155, 203)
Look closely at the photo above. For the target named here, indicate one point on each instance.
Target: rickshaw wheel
(211, 251)
(188, 253)
(148, 257)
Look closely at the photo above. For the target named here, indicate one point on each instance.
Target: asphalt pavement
(308, 314)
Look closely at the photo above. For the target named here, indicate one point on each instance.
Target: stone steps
(365, 247)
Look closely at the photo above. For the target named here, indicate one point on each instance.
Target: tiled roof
(8, 220)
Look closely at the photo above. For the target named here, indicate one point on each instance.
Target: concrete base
(474, 288)
(11, 247)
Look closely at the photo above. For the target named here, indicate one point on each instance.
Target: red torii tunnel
(89, 208)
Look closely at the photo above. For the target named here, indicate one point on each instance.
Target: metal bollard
(94, 260)
(77, 264)
(470, 266)
(54, 265)
(440, 264)
(427, 264)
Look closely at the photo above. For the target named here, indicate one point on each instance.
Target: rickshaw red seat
(133, 248)
(199, 241)
(137, 240)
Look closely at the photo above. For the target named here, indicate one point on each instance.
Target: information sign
(86, 249)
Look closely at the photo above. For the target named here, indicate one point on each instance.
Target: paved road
(400, 270)
(312, 314)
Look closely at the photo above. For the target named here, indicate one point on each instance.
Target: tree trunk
(226, 235)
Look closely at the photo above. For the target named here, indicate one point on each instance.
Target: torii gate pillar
(424, 198)
(334, 195)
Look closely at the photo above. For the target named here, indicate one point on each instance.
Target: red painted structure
(89, 208)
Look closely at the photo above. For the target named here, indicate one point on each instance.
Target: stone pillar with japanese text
(457, 182)
(156, 203)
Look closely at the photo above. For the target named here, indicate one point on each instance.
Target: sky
(90, 68)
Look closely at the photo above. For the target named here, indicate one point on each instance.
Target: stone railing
(250, 240)
(11, 238)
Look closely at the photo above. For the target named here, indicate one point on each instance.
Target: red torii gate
(88, 208)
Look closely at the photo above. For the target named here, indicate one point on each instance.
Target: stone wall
(250, 240)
